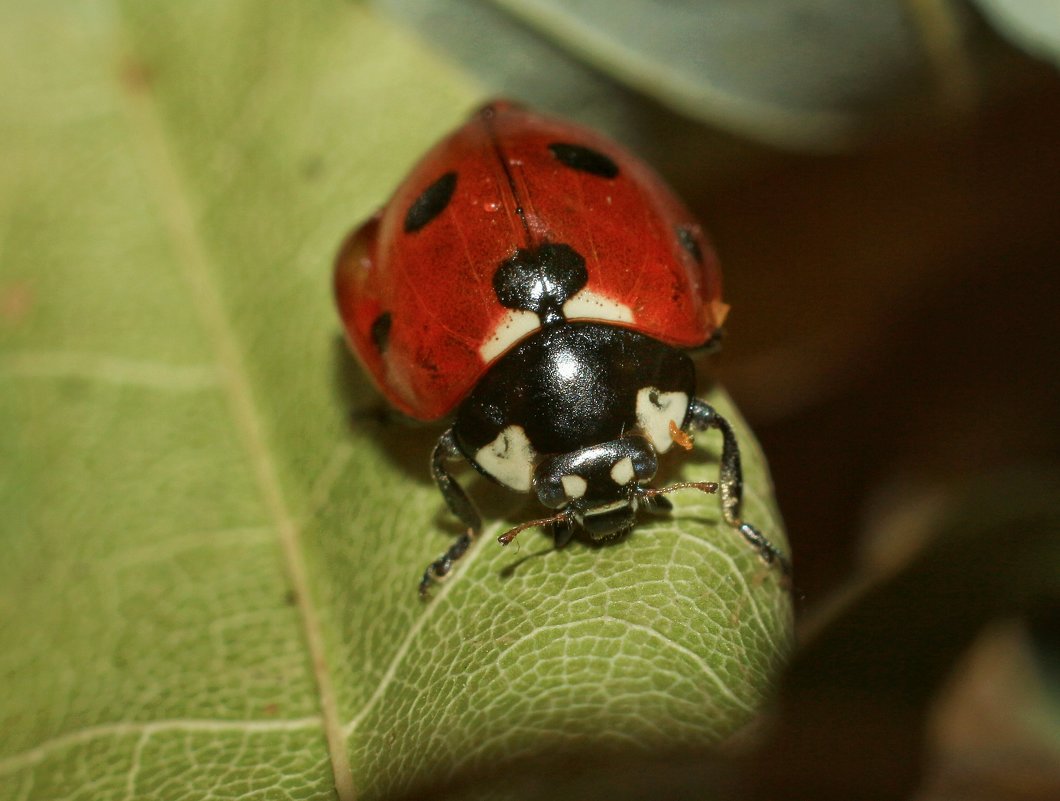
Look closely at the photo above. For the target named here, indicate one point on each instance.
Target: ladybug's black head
(598, 487)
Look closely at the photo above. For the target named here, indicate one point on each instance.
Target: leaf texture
(208, 587)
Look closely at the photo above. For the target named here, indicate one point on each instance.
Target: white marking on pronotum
(656, 410)
(589, 305)
(509, 458)
(574, 486)
(514, 325)
(622, 473)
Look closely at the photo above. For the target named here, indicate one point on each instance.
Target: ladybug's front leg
(459, 504)
(702, 415)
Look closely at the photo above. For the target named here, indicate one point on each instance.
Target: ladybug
(541, 286)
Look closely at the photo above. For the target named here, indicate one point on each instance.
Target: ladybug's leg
(455, 498)
(459, 504)
(702, 416)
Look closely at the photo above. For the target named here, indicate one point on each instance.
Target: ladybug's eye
(551, 491)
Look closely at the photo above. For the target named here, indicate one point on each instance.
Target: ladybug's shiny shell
(420, 286)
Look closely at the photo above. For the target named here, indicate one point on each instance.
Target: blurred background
(882, 182)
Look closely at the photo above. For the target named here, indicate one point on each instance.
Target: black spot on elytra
(584, 159)
(381, 331)
(431, 203)
(540, 280)
(686, 235)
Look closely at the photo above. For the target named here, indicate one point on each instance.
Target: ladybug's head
(599, 487)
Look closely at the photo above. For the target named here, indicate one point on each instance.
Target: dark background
(896, 318)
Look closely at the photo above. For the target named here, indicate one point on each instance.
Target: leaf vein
(43, 749)
(175, 207)
(740, 577)
(413, 633)
(669, 642)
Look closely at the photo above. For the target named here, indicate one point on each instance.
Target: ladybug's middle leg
(702, 416)
(459, 504)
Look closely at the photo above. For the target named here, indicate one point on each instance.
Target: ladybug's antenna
(510, 534)
(709, 487)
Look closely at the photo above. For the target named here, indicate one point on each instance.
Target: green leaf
(208, 587)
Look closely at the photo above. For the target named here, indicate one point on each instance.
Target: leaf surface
(209, 579)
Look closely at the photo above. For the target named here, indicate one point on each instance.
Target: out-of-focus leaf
(1033, 25)
(208, 582)
(801, 73)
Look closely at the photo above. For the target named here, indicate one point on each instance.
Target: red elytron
(428, 294)
(540, 284)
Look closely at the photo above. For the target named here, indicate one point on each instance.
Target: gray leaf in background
(1033, 25)
(510, 59)
(795, 73)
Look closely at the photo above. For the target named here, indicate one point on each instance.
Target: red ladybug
(540, 284)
